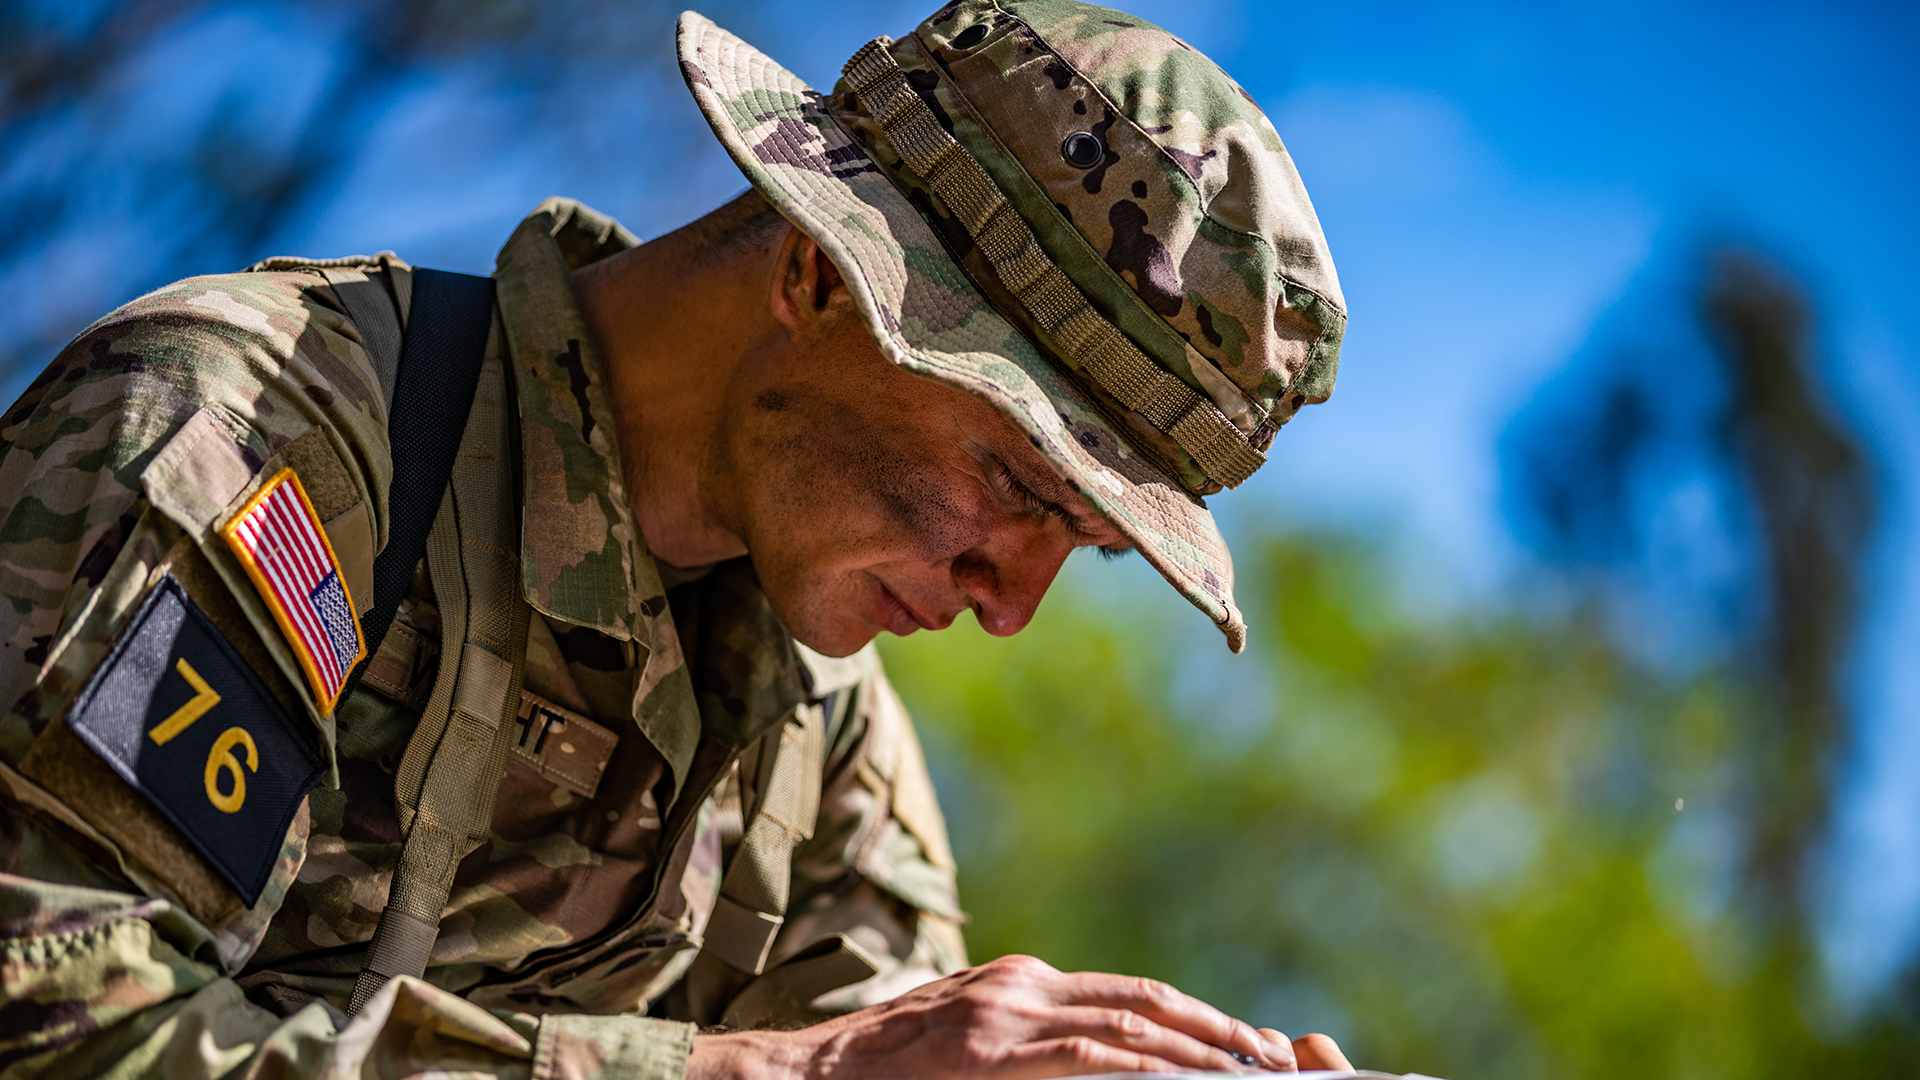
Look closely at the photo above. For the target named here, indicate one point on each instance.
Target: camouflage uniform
(1056, 207)
(123, 954)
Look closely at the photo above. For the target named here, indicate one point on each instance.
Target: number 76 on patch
(177, 712)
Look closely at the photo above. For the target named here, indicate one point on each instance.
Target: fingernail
(1279, 1051)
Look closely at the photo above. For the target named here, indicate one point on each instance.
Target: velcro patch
(177, 713)
(404, 667)
(278, 538)
(562, 745)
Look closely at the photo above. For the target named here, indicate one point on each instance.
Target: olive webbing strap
(1090, 341)
(452, 767)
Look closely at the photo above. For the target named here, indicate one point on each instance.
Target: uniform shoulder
(275, 302)
(272, 309)
(241, 340)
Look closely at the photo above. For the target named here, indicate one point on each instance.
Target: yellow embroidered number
(203, 698)
(222, 759)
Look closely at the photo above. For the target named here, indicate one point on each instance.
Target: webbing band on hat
(1055, 302)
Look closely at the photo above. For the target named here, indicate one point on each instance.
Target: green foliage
(1456, 846)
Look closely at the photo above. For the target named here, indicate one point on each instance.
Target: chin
(845, 641)
(824, 630)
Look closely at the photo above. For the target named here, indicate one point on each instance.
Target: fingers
(1277, 1039)
(1316, 1051)
(1116, 1022)
(1076, 1056)
(1128, 1030)
(1174, 1010)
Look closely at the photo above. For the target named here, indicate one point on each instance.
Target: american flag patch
(279, 540)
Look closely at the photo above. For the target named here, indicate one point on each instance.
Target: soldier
(416, 674)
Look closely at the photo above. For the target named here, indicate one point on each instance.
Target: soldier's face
(879, 500)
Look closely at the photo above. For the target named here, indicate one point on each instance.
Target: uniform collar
(586, 562)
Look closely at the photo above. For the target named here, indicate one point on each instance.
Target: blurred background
(1576, 734)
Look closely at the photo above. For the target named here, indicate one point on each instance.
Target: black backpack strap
(446, 340)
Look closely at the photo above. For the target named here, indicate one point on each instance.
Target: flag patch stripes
(279, 539)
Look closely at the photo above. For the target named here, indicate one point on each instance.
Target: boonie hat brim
(927, 315)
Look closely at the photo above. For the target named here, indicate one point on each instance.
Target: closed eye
(1030, 499)
(1034, 503)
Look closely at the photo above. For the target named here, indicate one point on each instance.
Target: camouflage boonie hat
(1073, 214)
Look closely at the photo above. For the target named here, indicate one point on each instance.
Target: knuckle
(1126, 1023)
(1020, 965)
(1153, 990)
(1023, 962)
(1084, 1050)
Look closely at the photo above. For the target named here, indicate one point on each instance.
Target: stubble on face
(857, 505)
(864, 485)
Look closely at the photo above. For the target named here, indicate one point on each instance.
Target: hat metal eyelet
(1083, 150)
(971, 36)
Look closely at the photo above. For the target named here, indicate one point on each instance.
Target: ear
(807, 289)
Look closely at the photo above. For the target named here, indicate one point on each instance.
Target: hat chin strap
(1089, 342)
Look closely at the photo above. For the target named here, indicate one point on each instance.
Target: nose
(1006, 586)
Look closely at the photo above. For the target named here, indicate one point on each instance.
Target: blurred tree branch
(262, 158)
(1814, 499)
(1733, 397)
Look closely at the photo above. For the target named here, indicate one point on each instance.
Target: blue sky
(1492, 178)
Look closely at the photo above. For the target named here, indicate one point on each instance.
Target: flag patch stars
(280, 541)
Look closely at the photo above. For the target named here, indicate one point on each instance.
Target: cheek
(846, 510)
(859, 490)
(929, 512)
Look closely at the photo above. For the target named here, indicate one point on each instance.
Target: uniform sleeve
(113, 962)
(164, 405)
(102, 983)
(878, 868)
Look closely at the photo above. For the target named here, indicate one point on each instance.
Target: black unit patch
(182, 718)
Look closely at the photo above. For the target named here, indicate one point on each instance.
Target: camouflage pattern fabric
(1190, 232)
(1157, 231)
(122, 955)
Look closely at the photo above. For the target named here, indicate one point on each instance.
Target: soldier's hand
(1015, 1017)
(1314, 1051)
